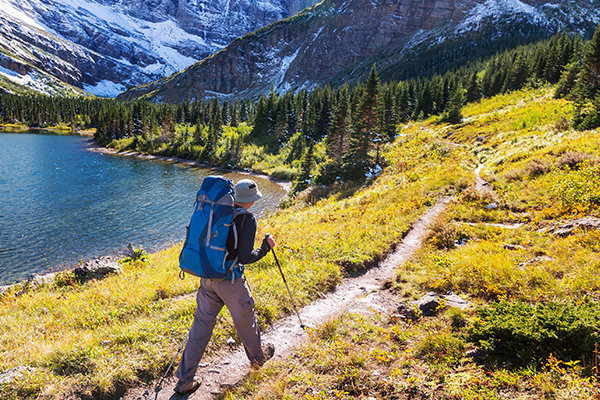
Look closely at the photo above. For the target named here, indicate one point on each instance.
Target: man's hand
(269, 240)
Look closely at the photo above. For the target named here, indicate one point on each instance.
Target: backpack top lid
(215, 187)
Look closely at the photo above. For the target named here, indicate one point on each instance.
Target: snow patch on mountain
(113, 44)
(498, 9)
(285, 65)
(18, 14)
(105, 89)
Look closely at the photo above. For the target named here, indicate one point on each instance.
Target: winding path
(359, 294)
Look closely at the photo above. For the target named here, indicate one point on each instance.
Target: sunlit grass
(103, 336)
(357, 356)
(98, 338)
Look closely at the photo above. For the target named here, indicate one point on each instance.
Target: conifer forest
(323, 135)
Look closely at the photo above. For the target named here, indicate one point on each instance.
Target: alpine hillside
(338, 41)
(106, 46)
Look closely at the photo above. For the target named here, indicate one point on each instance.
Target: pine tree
(337, 139)
(303, 180)
(244, 112)
(453, 112)
(473, 90)
(225, 113)
(364, 133)
(261, 118)
(235, 114)
(517, 73)
(215, 128)
(588, 84)
(389, 117)
(589, 79)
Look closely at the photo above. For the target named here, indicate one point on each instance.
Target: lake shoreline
(94, 146)
(48, 274)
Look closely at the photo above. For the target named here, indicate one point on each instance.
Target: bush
(441, 347)
(284, 173)
(520, 334)
(123, 144)
(537, 167)
(573, 159)
(444, 234)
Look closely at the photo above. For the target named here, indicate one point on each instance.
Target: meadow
(93, 340)
(495, 247)
(513, 248)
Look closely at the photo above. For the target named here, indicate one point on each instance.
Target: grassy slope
(100, 337)
(94, 340)
(525, 149)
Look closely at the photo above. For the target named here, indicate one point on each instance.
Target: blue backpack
(204, 252)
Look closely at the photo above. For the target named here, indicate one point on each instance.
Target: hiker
(234, 293)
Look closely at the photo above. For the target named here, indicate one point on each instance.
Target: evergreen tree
(389, 117)
(517, 74)
(358, 159)
(261, 119)
(588, 84)
(453, 113)
(473, 90)
(225, 113)
(337, 140)
(215, 128)
(244, 112)
(235, 121)
(304, 179)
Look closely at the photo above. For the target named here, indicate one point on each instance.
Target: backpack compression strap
(225, 200)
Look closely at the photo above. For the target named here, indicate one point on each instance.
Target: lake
(62, 203)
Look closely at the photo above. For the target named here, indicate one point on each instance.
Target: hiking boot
(268, 351)
(187, 387)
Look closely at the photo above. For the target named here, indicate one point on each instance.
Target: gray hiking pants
(210, 299)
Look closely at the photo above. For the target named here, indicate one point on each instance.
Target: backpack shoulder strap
(237, 211)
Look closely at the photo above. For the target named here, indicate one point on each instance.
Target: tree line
(323, 135)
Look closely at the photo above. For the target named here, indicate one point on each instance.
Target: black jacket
(245, 224)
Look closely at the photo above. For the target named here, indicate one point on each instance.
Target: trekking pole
(286, 285)
(158, 388)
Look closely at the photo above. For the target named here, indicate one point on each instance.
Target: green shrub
(579, 190)
(519, 334)
(123, 144)
(441, 347)
(284, 173)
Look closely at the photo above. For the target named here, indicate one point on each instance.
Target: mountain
(338, 41)
(106, 46)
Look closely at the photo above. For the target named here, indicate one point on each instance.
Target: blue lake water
(61, 203)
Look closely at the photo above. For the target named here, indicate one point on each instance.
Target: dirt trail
(480, 183)
(360, 294)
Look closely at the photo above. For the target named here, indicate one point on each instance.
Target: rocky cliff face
(338, 40)
(106, 46)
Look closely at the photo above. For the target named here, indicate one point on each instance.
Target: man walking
(235, 294)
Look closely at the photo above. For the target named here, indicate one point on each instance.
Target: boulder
(35, 281)
(405, 312)
(97, 268)
(6, 377)
(566, 228)
(429, 304)
(432, 302)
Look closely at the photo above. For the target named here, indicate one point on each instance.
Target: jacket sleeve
(247, 254)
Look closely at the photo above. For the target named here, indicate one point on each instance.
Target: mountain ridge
(115, 45)
(327, 43)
